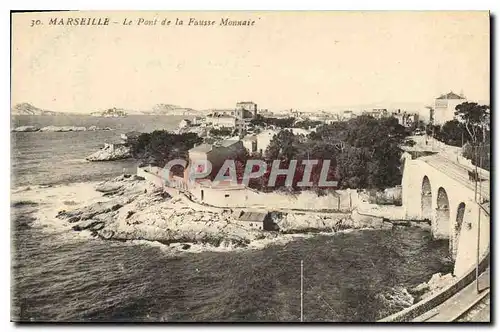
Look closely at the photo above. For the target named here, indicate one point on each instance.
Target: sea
(60, 277)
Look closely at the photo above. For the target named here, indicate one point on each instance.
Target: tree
(160, 146)
(262, 121)
(283, 146)
(224, 131)
(474, 117)
(452, 133)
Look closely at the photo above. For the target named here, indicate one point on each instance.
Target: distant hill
(159, 109)
(111, 113)
(28, 109)
(168, 109)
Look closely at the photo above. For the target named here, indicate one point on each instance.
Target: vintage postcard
(250, 166)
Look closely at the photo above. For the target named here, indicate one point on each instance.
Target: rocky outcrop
(95, 128)
(26, 129)
(394, 300)
(134, 209)
(331, 222)
(437, 282)
(110, 152)
(63, 128)
(57, 129)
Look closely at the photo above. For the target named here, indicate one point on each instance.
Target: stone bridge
(437, 188)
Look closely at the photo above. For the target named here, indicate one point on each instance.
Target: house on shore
(184, 123)
(257, 220)
(216, 154)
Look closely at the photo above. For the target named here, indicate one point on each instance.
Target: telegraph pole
(301, 290)
(478, 220)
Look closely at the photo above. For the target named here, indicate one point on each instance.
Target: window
(226, 195)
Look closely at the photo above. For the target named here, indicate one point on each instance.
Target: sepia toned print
(251, 166)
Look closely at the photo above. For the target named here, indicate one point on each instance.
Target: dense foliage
(364, 153)
(260, 120)
(160, 146)
(476, 119)
(221, 132)
(470, 129)
(307, 124)
(479, 155)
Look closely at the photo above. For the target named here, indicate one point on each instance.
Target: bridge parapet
(436, 189)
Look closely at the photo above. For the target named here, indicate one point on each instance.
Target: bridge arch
(457, 228)
(426, 198)
(442, 226)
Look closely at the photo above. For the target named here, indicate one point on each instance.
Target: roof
(245, 102)
(253, 216)
(298, 131)
(205, 147)
(228, 142)
(450, 95)
(202, 148)
(250, 138)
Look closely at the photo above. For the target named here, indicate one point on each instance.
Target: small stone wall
(245, 197)
(149, 174)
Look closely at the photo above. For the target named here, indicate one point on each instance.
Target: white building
(250, 143)
(246, 109)
(444, 107)
(348, 115)
(377, 113)
(222, 121)
(405, 119)
(264, 139)
(184, 123)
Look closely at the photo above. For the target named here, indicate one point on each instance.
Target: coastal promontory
(110, 152)
(57, 128)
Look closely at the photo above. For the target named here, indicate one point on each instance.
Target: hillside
(28, 109)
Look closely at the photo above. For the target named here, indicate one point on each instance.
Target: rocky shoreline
(129, 209)
(57, 129)
(132, 209)
(110, 152)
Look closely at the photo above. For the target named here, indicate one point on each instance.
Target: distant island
(114, 112)
(110, 113)
(28, 109)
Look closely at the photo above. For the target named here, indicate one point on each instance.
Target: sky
(299, 60)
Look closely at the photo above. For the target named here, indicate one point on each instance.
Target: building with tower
(444, 107)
